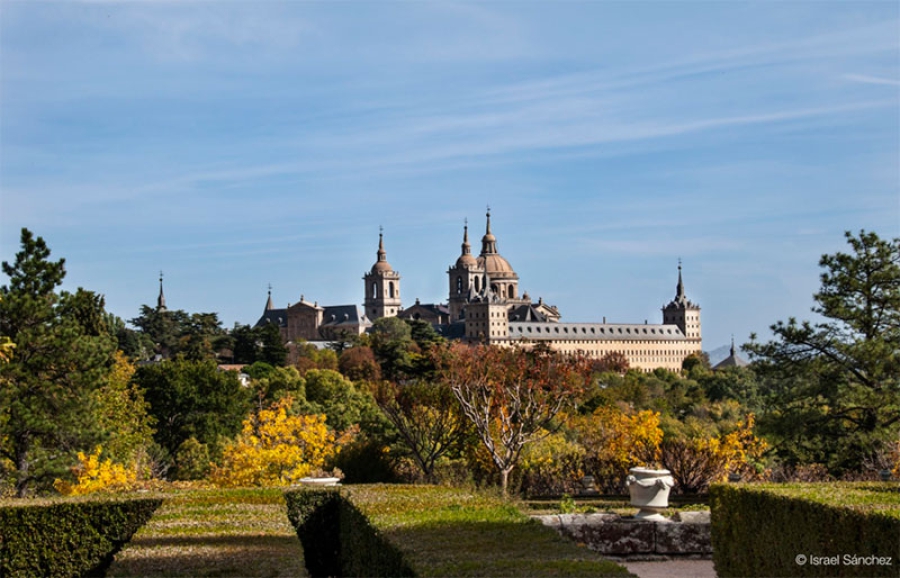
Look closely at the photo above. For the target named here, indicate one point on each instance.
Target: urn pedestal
(649, 491)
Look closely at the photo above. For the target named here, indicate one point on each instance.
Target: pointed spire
(161, 300)
(466, 247)
(269, 305)
(382, 254)
(489, 241)
(381, 265)
(679, 290)
(732, 346)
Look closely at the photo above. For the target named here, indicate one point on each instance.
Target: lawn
(215, 533)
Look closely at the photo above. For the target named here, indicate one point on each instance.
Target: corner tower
(683, 313)
(382, 286)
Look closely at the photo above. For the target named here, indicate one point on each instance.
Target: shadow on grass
(497, 549)
(211, 556)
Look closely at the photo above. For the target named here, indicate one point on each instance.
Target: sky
(236, 145)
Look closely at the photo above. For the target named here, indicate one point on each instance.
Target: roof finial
(732, 345)
(679, 290)
(269, 304)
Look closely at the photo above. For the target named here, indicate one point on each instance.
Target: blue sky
(237, 144)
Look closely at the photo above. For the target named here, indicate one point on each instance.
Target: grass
(451, 532)
(215, 533)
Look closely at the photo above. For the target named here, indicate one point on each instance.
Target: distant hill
(719, 353)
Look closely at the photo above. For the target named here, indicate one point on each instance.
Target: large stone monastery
(484, 305)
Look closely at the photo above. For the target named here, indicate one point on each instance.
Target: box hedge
(403, 530)
(67, 538)
(837, 529)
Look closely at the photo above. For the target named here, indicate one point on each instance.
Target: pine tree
(62, 355)
(834, 386)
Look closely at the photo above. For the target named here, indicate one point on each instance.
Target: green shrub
(192, 460)
(404, 530)
(314, 514)
(834, 529)
(71, 538)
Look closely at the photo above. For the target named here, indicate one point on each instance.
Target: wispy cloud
(866, 79)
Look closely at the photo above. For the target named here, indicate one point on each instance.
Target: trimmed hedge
(401, 530)
(71, 538)
(836, 529)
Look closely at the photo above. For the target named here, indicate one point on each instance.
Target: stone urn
(650, 492)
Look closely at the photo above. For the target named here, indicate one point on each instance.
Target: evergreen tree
(193, 399)
(63, 352)
(834, 386)
(273, 350)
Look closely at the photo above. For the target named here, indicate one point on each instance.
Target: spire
(679, 290)
(269, 305)
(732, 346)
(489, 241)
(161, 300)
(381, 265)
(466, 247)
(382, 254)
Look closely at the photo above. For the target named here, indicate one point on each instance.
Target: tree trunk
(22, 467)
(504, 481)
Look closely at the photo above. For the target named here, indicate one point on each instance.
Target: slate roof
(593, 331)
(278, 316)
(732, 360)
(527, 313)
(338, 315)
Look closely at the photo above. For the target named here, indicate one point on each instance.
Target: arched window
(391, 289)
(374, 290)
(477, 284)
(458, 285)
(511, 293)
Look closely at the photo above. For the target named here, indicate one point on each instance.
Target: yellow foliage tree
(123, 413)
(96, 475)
(275, 448)
(616, 441)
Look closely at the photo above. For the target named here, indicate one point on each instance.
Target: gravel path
(215, 533)
(672, 569)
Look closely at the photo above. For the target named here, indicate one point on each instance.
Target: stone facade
(491, 316)
(484, 305)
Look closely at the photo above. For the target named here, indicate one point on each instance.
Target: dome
(495, 265)
(466, 260)
(381, 267)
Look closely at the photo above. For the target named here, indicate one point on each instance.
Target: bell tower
(683, 312)
(382, 286)
(465, 277)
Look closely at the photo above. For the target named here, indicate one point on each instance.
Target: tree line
(80, 407)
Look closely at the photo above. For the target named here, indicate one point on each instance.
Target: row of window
(593, 330)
